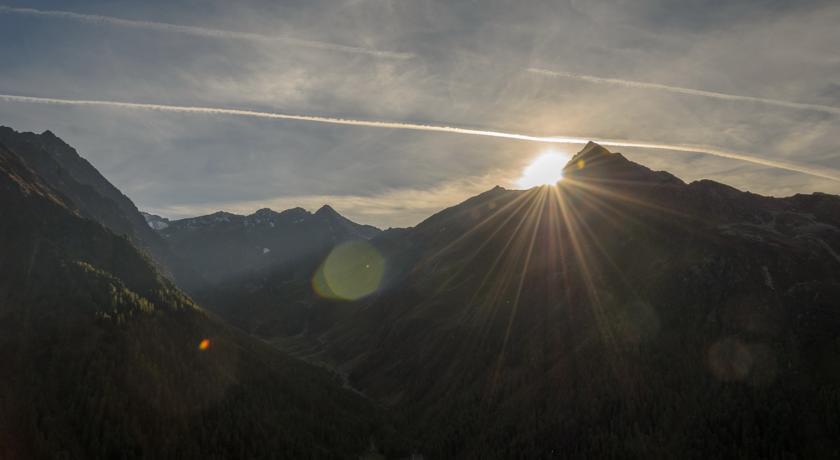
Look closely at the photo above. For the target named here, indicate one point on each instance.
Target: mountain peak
(264, 212)
(326, 210)
(595, 162)
(591, 151)
(296, 212)
(595, 158)
(592, 145)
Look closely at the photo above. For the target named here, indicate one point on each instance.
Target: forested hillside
(104, 357)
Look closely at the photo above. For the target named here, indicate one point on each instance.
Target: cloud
(467, 72)
(750, 158)
(202, 31)
(686, 91)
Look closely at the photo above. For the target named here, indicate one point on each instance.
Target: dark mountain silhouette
(103, 357)
(60, 167)
(622, 313)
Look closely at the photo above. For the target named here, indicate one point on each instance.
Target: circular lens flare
(351, 271)
(546, 169)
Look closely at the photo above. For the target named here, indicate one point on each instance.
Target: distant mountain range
(621, 313)
(224, 245)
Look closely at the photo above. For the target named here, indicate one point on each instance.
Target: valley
(622, 300)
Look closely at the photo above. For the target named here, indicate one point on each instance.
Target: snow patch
(768, 280)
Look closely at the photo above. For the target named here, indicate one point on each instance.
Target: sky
(755, 79)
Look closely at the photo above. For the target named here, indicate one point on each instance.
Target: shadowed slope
(621, 311)
(223, 246)
(60, 167)
(239, 256)
(101, 355)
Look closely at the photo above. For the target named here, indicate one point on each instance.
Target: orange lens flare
(204, 344)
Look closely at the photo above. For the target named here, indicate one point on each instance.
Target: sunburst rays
(545, 246)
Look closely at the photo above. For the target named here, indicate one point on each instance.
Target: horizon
(286, 204)
(247, 211)
(394, 111)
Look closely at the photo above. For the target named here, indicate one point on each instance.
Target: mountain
(155, 222)
(224, 245)
(622, 313)
(91, 195)
(103, 357)
(235, 253)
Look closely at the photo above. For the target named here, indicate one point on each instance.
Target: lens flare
(204, 344)
(352, 270)
(546, 169)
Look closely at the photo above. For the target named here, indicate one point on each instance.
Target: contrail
(202, 31)
(687, 91)
(750, 158)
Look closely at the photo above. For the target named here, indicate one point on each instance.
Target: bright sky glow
(174, 104)
(546, 169)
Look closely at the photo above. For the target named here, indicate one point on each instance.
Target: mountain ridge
(623, 300)
(555, 306)
(268, 214)
(104, 357)
(233, 252)
(60, 165)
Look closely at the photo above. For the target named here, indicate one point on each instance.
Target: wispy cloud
(686, 91)
(203, 31)
(824, 173)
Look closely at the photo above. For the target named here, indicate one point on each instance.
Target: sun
(546, 169)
